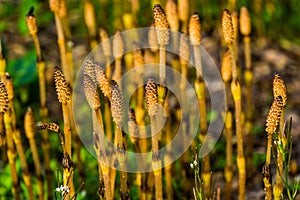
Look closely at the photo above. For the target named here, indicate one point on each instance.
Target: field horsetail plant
(149, 100)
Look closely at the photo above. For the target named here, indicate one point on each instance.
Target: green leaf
(23, 70)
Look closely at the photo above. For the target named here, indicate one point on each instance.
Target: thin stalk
(11, 154)
(248, 77)
(26, 174)
(67, 128)
(118, 70)
(119, 142)
(241, 163)
(228, 172)
(267, 181)
(134, 133)
(62, 49)
(107, 184)
(162, 63)
(38, 167)
(247, 52)
(2, 132)
(278, 187)
(6, 109)
(67, 36)
(233, 63)
(90, 22)
(156, 161)
(206, 174)
(68, 173)
(104, 176)
(29, 126)
(167, 159)
(62, 12)
(245, 27)
(107, 121)
(77, 143)
(198, 62)
(31, 23)
(183, 14)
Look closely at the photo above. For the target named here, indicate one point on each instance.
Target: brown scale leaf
(184, 50)
(151, 97)
(227, 27)
(116, 103)
(3, 98)
(245, 21)
(279, 88)
(31, 22)
(29, 123)
(161, 25)
(105, 42)
(90, 90)
(102, 81)
(118, 45)
(274, 115)
(195, 29)
(226, 66)
(62, 87)
(172, 15)
(50, 126)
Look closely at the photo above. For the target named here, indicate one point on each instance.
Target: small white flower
(191, 165)
(278, 142)
(195, 162)
(63, 189)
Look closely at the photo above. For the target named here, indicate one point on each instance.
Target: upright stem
(241, 163)
(38, 167)
(11, 154)
(2, 132)
(26, 174)
(278, 187)
(44, 115)
(269, 147)
(233, 63)
(156, 161)
(198, 62)
(102, 159)
(68, 144)
(37, 47)
(200, 90)
(247, 52)
(62, 49)
(228, 173)
(162, 63)
(118, 70)
(67, 128)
